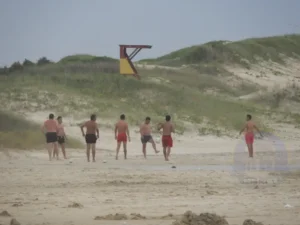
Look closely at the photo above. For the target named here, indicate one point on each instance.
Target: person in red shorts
(121, 134)
(249, 128)
(167, 141)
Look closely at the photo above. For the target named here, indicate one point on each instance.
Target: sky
(56, 28)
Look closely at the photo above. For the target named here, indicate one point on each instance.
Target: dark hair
(51, 116)
(59, 117)
(93, 117)
(148, 118)
(122, 117)
(249, 116)
(168, 117)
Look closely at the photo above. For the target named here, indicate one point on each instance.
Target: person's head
(51, 116)
(147, 120)
(122, 117)
(168, 118)
(59, 119)
(93, 117)
(248, 117)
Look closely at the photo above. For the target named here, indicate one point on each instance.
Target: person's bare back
(91, 127)
(167, 141)
(250, 126)
(167, 128)
(91, 136)
(121, 135)
(121, 126)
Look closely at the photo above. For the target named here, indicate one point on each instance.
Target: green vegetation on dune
(242, 52)
(19, 133)
(86, 58)
(202, 95)
(109, 95)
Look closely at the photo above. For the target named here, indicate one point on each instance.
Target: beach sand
(205, 174)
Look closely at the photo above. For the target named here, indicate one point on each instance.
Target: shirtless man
(50, 129)
(91, 136)
(249, 128)
(145, 131)
(121, 134)
(61, 136)
(167, 141)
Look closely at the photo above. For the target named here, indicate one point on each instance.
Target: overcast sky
(56, 28)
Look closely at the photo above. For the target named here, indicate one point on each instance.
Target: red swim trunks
(122, 137)
(167, 141)
(249, 137)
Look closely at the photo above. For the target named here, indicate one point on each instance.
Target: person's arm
(116, 130)
(127, 131)
(81, 127)
(159, 126)
(255, 127)
(173, 128)
(244, 127)
(97, 130)
(57, 127)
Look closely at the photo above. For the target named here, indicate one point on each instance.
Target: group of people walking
(56, 136)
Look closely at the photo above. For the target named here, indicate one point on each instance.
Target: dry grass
(181, 94)
(18, 133)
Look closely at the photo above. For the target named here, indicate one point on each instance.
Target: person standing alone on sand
(61, 136)
(50, 129)
(90, 136)
(167, 141)
(145, 131)
(249, 128)
(121, 133)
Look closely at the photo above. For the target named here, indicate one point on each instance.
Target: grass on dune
(19, 133)
(109, 95)
(243, 52)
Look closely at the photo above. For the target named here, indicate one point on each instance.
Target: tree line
(45, 66)
(19, 67)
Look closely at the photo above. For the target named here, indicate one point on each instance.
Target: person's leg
(125, 149)
(88, 148)
(49, 148)
(55, 147)
(144, 149)
(251, 150)
(118, 149)
(62, 145)
(169, 146)
(94, 152)
(53, 152)
(165, 153)
(153, 145)
(168, 151)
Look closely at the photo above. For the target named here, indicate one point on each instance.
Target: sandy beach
(200, 177)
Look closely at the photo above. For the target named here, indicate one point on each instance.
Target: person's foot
(94, 160)
(116, 157)
(156, 151)
(88, 160)
(65, 157)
